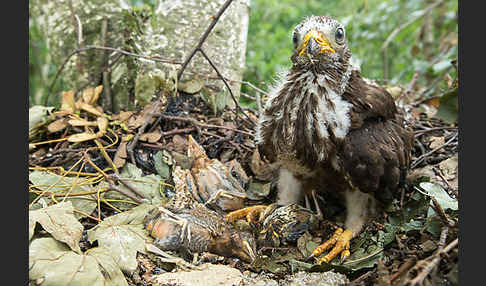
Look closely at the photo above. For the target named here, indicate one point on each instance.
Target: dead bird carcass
(184, 224)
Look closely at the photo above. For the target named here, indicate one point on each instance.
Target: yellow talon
(340, 240)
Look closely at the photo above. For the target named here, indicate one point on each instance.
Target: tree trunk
(169, 31)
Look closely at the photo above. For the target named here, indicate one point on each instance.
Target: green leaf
(46, 181)
(296, 265)
(362, 258)
(59, 221)
(448, 108)
(442, 197)
(123, 235)
(440, 66)
(415, 207)
(388, 236)
(163, 163)
(413, 225)
(434, 226)
(53, 263)
(148, 185)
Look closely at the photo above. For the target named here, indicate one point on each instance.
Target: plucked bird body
(332, 130)
(187, 223)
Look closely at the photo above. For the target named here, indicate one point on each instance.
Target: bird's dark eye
(339, 35)
(295, 39)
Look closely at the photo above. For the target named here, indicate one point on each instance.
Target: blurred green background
(427, 44)
(424, 43)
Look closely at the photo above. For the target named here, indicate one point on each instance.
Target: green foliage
(40, 69)
(368, 25)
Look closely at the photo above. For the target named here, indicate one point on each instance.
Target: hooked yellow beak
(314, 43)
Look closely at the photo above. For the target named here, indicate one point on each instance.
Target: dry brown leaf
(67, 101)
(89, 108)
(102, 124)
(87, 95)
(435, 102)
(57, 125)
(136, 121)
(82, 122)
(394, 91)
(436, 142)
(52, 263)
(180, 144)
(151, 137)
(120, 155)
(81, 137)
(96, 94)
(122, 116)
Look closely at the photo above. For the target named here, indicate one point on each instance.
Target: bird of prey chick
(331, 130)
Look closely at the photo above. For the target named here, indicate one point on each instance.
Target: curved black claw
(310, 257)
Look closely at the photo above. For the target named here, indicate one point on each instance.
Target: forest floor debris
(83, 156)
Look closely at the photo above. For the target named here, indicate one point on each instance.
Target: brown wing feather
(376, 151)
(369, 101)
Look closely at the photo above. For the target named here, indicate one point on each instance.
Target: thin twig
(231, 80)
(202, 125)
(203, 38)
(76, 23)
(117, 178)
(198, 48)
(419, 133)
(410, 86)
(112, 186)
(155, 107)
(441, 175)
(404, 268)
(422, 157)
(92, 47)
(360, 279)
(179, 131)
(245, 95)
(438, 209)
(384, 47)
(428, 264)
(227, 86)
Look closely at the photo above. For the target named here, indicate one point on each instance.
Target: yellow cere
(320, 39)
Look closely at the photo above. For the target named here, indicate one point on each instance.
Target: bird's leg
(357, 211)
(307, 202)
(289, 192)
(319, 214)
(195, 258)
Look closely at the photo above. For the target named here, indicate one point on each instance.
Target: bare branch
(394, 33)
(203, 38)
(92, 47)
(422, 157)
(227, 86)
